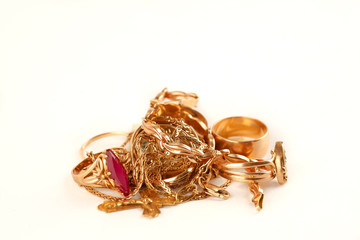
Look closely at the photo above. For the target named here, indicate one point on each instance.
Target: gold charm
(150, 203)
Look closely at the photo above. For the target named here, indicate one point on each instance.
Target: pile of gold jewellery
(173, 156)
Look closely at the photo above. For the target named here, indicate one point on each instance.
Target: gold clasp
(216, 191)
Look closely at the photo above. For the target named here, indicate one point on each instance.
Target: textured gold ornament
(173, 157)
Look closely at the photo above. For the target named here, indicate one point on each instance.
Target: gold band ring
(242, 135)
(243, 169)
(98, 137)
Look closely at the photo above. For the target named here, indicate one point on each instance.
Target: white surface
(72, 69)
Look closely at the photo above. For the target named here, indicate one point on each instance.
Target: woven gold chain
(167, 157)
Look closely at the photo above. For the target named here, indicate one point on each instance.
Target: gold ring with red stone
(107, 169)
(104, 170)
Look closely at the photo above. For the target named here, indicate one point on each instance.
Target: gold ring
(98, 137)
(108, 169)
(104, 170)
(242, 135)
(243, 169)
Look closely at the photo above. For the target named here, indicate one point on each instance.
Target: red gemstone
(118, 172)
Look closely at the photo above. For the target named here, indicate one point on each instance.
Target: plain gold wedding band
(242, 135)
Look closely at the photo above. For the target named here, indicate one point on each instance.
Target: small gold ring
(242, 135)
(98, 137)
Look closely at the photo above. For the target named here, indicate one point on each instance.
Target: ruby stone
(118, 172)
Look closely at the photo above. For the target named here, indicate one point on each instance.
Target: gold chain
(167, 158)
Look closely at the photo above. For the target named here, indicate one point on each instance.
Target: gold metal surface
(239, 168)
(83, 148)
(173, 157)
(242, 135)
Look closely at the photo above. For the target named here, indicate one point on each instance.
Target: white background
(73, 69)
